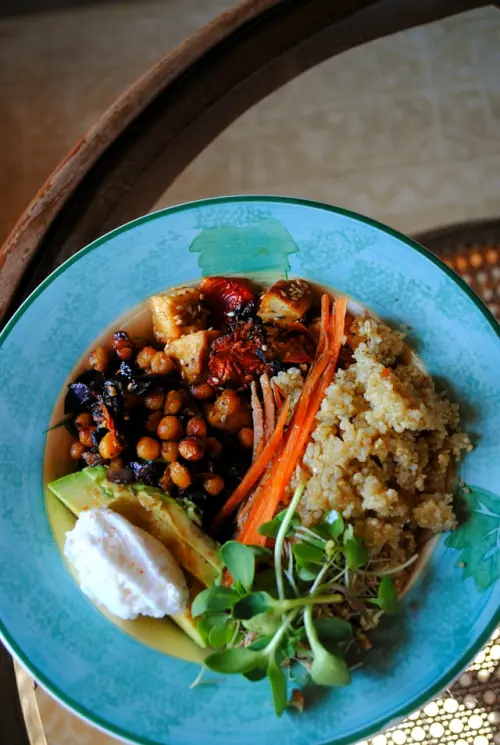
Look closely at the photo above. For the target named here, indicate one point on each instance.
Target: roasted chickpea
(214, 485)
(174, 401)
(169, 428)
(161, 364)
(197, 427)
(166, 480)
(153, 421)
(109, 447)
(84, 420)
(99, 359)
(202, 392)
(154, 400)
(213, 447)
(77, 450)
(228, 402)
(148, 448)
(180, 475)
(192, 448)
(145, 357)
(85, 436)
(245, 437)
(170, 451)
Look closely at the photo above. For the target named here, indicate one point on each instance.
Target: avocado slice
(155, 512)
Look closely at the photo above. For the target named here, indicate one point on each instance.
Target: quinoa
(383, 446)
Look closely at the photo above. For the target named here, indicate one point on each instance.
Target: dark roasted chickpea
(214, 485)
(161, 364)
(154, 400)
(77, 450)
(122, 345)
(245, 437)
(169, 428)
(180, 475)
(166, 480)
(148, 448)
(99, 359)
(153, 421)
(213, 447)
(84, 420)
(174, 401)
(85, 436)
(109, 447)
(197, 427)
(170, 451)
(192, 448)
(202, 392)
(145, 357)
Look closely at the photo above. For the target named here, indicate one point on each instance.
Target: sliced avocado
(155, 512)
(80, 491)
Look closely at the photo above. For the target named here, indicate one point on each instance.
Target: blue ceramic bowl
(135, 691)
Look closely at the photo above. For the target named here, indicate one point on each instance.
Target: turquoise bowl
(135, 692)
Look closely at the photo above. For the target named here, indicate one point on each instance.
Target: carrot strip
(299, 432)
(257, 468)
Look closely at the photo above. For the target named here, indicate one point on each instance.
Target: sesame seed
(231, 313)
(215, 380)
(202, 296)
(264, 347)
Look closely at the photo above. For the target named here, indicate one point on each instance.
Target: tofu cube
(176, 313)
(191, 352)
(286, 301)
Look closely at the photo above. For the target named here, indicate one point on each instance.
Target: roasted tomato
(239, 357)
(290, 344)
(228, 300)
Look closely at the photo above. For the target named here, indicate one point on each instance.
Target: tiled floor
(406, 129)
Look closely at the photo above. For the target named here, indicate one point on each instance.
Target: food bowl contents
(288, 450)
(124, 568)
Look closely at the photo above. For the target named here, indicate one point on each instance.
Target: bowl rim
(444, 680)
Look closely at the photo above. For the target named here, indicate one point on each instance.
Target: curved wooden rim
(139, 146)
(27, 233)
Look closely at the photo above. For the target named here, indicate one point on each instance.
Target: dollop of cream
(123, 568)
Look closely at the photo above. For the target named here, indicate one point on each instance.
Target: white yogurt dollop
(123, 568)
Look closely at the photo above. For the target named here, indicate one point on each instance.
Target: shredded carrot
(299, 432)
(257, 468)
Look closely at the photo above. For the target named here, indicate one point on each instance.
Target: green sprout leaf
(240, 562)
(214, 599)
(236, 660)
(264, 623)
(261, 553)
(222, 633)
(335, 523)
(356, 553)
(277, 681)
(271, 529)
(307, 572)
(333, 629)
(208, 621)
(329, 669)
(258, 673)
(306, 554)
(253, 605)
(387, 598)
